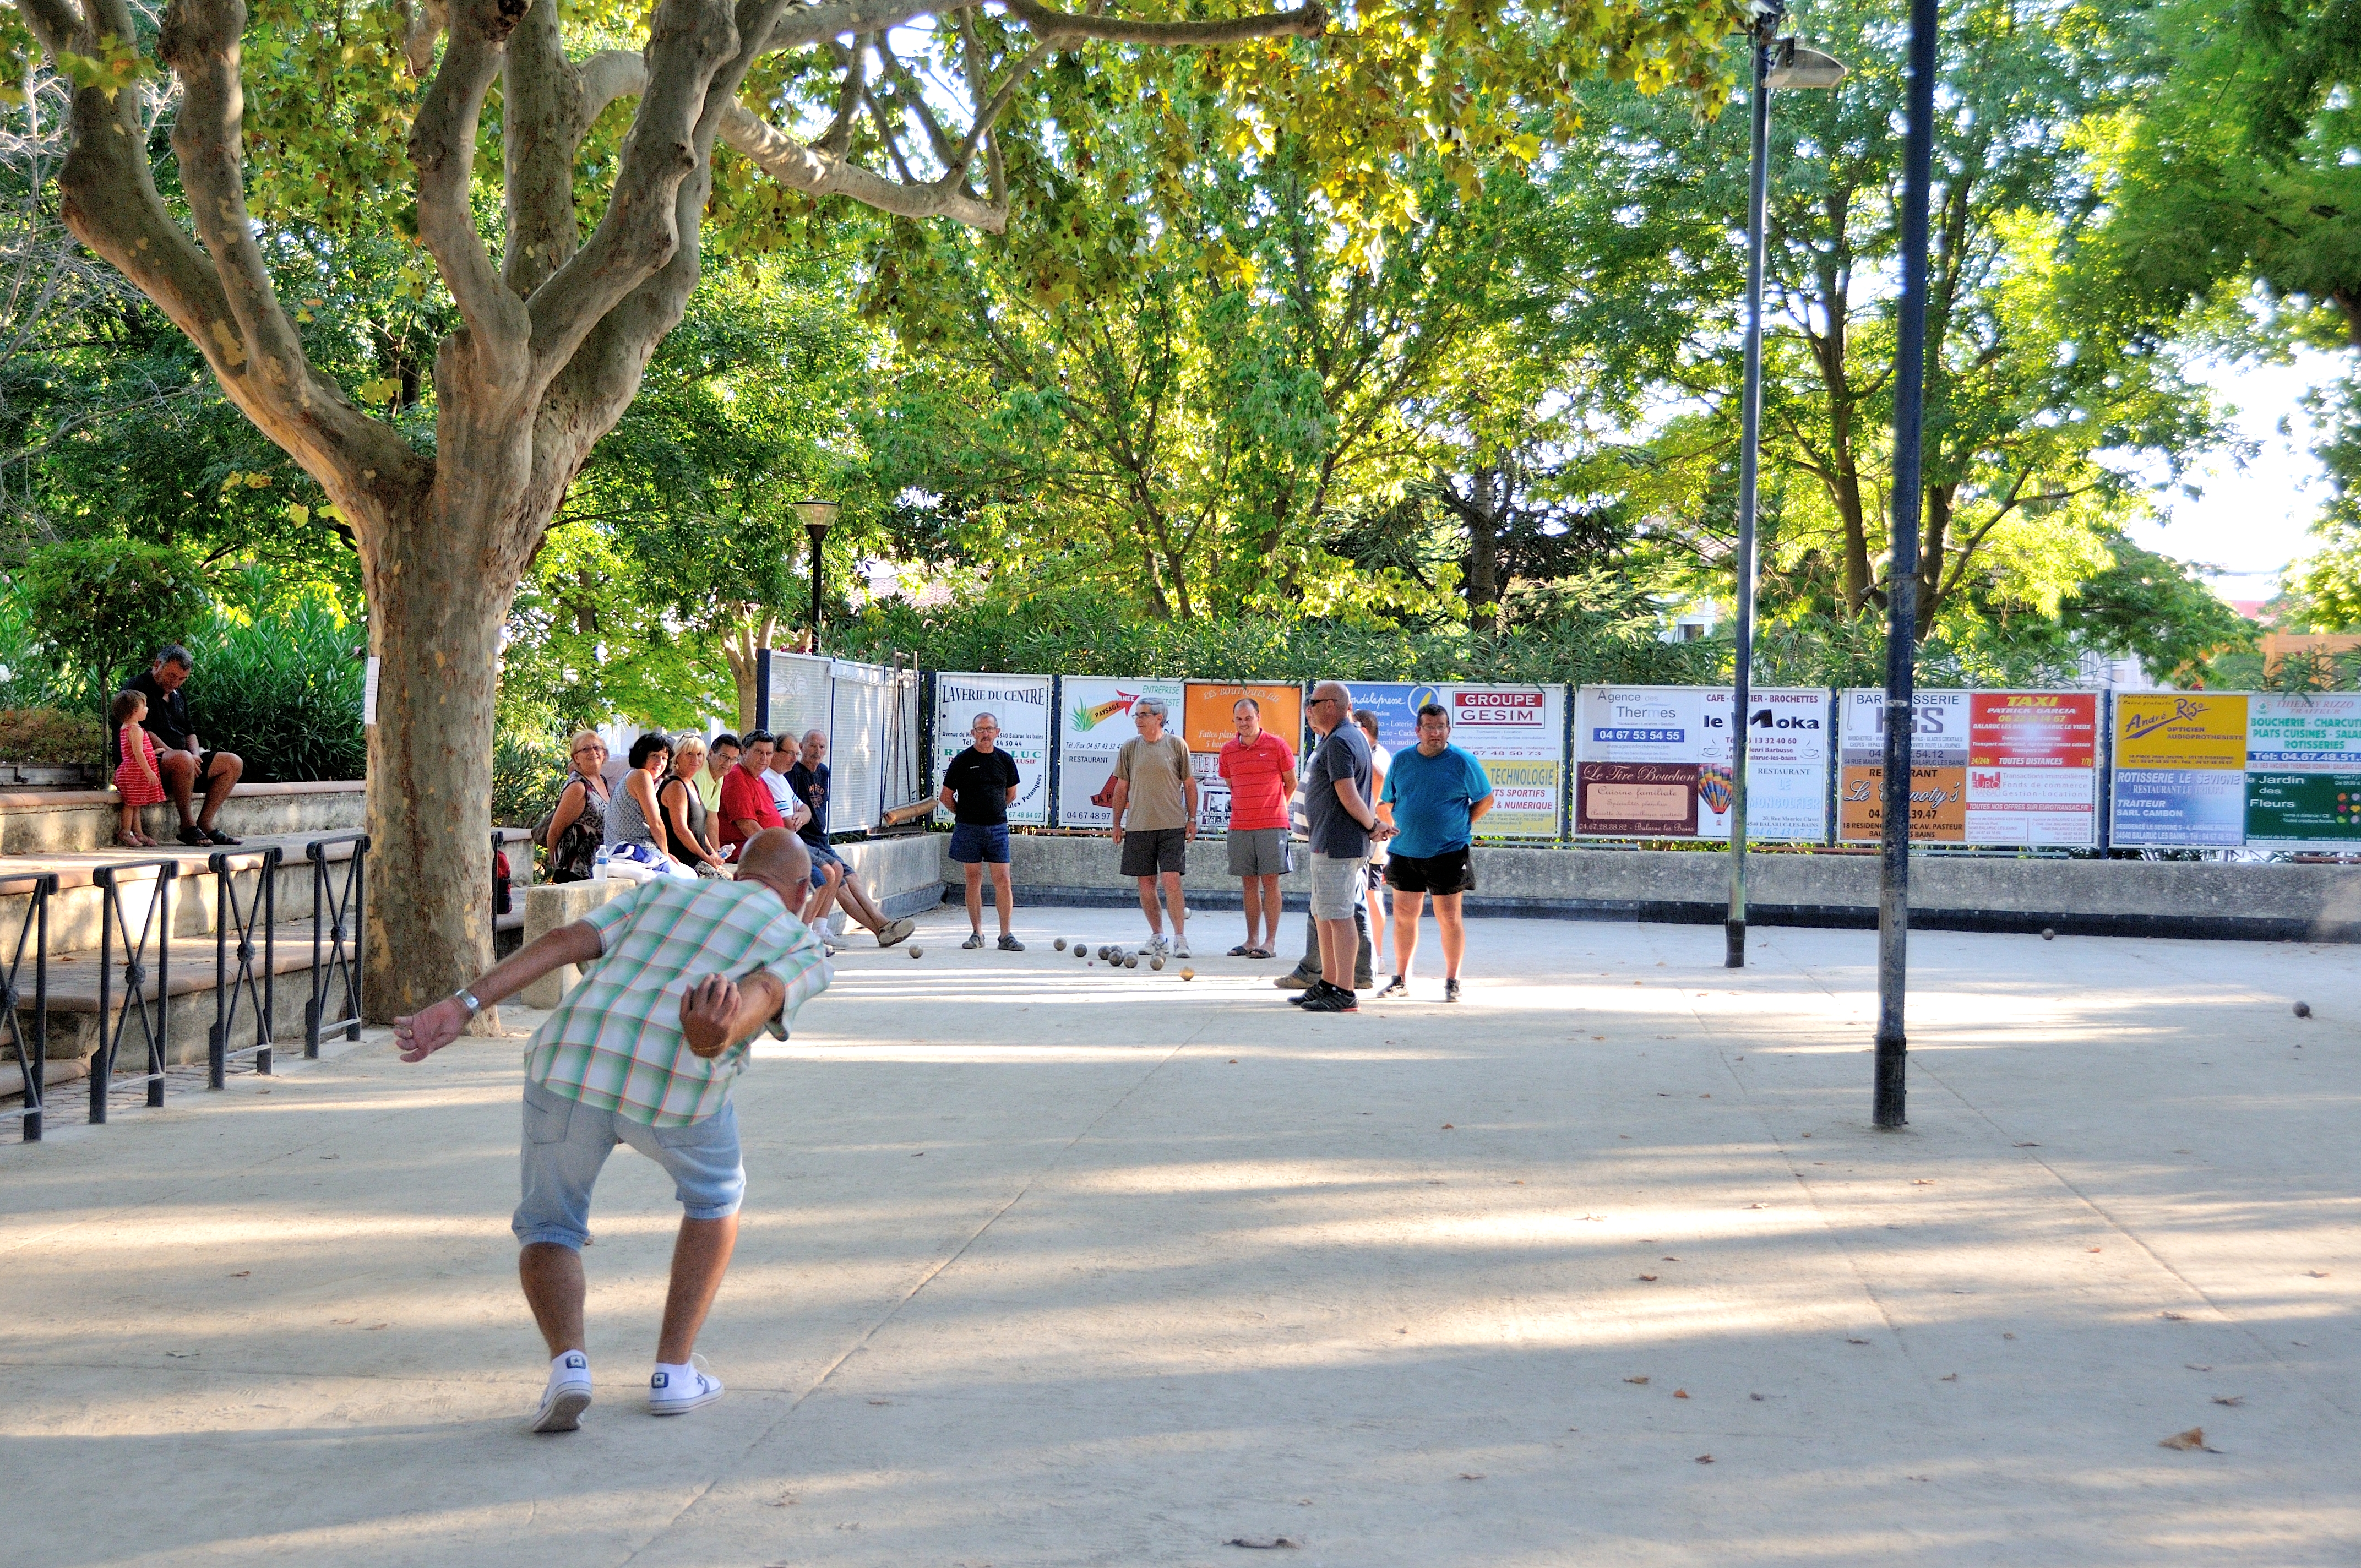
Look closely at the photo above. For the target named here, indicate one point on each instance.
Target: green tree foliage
(106, 604)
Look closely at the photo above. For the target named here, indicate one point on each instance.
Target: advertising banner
(1095, 720)
(1208, 726)
(796, 695)
(2033, 768)
(1634, 744)
(2303, 772)
(1518, 734)
(2181, 768)
(1939, 767)
(1020, 705)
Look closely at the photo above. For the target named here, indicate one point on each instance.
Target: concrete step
(75, 908)
(41, 822)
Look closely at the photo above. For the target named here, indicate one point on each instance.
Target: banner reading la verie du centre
(1094, 721)
(1654, 762)
(1020, 705)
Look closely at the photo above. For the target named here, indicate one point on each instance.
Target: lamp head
(1795, 64)
(816, 516)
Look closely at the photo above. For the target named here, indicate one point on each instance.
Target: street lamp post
(816, 516)
(1778, 62)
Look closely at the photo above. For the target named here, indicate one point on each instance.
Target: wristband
(466, 998)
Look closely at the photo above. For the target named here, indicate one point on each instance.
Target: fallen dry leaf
(2231, 1399)
(2184, 1440)
(2316, 1273)
(2174, 1317)
(1649, 1278)
(881, 1401)
(1758, 1398)
(1948, 1378)
(1680, 1393)
(1704, 1459)
(2194, 1368)
(1262, 1543)
(2008, 1336)
(374, 1327)
(1635, 1380)
(1446, 1127)
(1471, 1474)
(242, 1274)
(2095, 1249)
(341, 1322)
(2028, 1145)
(1921, 1181)
(1754, 1205)
(1849, 1339)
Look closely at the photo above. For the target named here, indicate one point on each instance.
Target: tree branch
(443, 151)
(541, 125)
(817, 172)
(1058, 28)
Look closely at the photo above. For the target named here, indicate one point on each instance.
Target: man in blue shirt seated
(1433, 797)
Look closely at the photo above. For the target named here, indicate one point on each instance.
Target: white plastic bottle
(598, 867)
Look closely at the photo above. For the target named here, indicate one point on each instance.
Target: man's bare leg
(228, 769)
(1251, 895)
(974, 869)
(1340, 944)
(1149, 907)
(1003, 895)
(552, 1276)
(1454, 932)
(1176, 905)
(179, 771)
(1271, 907)
(857, 902)
(1408, 907)
(699, 1258)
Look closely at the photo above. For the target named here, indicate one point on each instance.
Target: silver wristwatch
(468, 998)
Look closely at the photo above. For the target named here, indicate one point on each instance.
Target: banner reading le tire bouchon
(1654, 762)
(1209, 723)
(2222, 770)
(2003, 769)
(1020, 706)
(1093, 721)
(1517, 732)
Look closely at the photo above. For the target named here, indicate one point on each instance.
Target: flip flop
(1260, 953)
(1241, 951)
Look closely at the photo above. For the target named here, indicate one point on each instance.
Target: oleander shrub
(50, 736)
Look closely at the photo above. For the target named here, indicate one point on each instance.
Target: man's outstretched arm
(430, 1029)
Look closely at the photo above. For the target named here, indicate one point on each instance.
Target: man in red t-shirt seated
(1260, 771)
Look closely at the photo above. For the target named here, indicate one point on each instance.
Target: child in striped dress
(135, 779)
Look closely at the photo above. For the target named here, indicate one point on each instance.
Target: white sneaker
(1179, 947)
(676, 1390)
(1156, 946)
(568, 1395)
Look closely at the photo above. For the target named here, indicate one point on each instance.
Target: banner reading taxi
(1094, 721)
(1208, 725)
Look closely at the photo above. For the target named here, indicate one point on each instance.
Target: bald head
(777, 859)
(1331, 705)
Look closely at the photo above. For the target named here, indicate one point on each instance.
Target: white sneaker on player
(1179, 947)
(676, 1390)
(1156, 946)
(568, 1395)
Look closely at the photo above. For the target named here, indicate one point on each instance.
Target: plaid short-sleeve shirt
(615, 1041)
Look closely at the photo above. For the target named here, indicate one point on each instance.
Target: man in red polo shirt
(747, 806)
(1260, 772)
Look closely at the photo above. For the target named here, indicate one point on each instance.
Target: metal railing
(31, 1042)
(240, 985)
(114, 925)
(338, 915)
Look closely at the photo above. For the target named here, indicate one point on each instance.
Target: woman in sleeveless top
(579, 824)
(684, 809)
(634, 850)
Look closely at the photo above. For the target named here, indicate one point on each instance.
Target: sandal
(1260, 953)
(130, 841)
(1241, 951)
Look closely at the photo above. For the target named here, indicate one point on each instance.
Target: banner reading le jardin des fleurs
(2303, 772)
(1654, 762)
(1020, 706)
(1208, 724)
(2006, 769)
(1517, 732)
(1095, 720)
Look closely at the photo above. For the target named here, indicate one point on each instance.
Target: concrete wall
(44, 822)
(2165, 898)
(902, 873)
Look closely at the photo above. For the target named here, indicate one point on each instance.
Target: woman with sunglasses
(578, 825)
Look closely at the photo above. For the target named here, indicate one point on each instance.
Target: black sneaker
(1336, 999)
(1451, 990)
(1303, 998)
(1396, 987)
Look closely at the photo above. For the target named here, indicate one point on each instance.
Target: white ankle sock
(676, 1370)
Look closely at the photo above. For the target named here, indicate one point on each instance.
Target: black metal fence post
(155, 1025)
(233, 984)
(337, 917)
(32, 1054)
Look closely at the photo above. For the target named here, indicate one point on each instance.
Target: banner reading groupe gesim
(2222, 770)
(1093, 721)
(1020, 705)
(1517, 732)
(1654, 762)
(2000, 768)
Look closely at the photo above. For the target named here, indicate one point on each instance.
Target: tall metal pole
(1749, 465)
(1902, 580)
(817, 535)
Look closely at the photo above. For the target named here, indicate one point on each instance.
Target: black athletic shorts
(1447, 873)
(1149, 852)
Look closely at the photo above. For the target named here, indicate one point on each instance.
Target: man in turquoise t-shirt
(1433, 797)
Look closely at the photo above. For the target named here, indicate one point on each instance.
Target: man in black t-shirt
(811, 780)
(979, 787)
(181, 758)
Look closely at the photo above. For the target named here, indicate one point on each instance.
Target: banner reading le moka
(1093, 722)
(1020, 705)
(1641, 750)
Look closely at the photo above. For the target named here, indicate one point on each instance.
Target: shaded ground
(1043, 1265)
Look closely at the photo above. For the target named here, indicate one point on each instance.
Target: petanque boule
(1188, 974)
(917, 952)
(1131, 961)
(2048, 935)
(2303, 1009)
(1155, 963)
(1061, 944)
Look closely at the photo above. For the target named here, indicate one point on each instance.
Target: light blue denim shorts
(567, 1143)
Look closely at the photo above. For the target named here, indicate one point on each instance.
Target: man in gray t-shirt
(1337, 808)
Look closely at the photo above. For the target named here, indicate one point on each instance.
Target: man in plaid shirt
(643, 1052)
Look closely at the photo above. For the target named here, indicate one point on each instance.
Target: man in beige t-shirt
(1155, 817)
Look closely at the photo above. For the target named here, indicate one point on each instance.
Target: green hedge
(283, 691)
